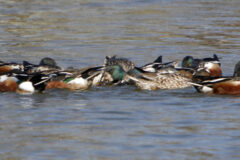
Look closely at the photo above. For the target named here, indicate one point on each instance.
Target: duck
(70, 79)
(157, 64)
(190, 62)
(229, 85)
(84, 78)
(115, 67)
(7, 67)
(8, 84)
(125, 63)
(110, 74)
(14, 81)
(165, 78)
(207, 67)
(154, 75)
(45, 64)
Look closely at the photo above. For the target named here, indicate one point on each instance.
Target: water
(119, 122)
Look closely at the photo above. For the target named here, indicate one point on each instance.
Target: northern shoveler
(44, 65)
(157, 64)
(221, 85)
(165, 78)
(224, 85)
(109, 74)
(125, 63)
(7, 67)
(208, 67)
(190, 62)
(11, 83)
(72, 79)
(8, 84)
(25, 87)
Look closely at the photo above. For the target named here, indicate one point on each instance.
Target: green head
(188, 62)
(116, 71)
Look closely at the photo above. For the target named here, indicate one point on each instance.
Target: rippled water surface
(113, 123)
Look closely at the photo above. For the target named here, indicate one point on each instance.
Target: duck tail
(158, 60)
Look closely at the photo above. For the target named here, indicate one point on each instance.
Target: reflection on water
(119, 122)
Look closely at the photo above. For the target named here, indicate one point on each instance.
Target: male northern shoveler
(7, 67)
(8, 83)
(208, 67)
(221, 85)
(12, 83)
(190, 62)
(44, 65)
(17, 81)
(157, 64)
(109, 74)
(224, 85)
(25, 87)
(72, 79)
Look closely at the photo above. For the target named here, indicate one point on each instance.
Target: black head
(48, 62)
(237, 70)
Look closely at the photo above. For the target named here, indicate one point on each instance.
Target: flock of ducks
(203, 74)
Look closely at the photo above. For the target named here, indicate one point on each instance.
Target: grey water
(119, 122)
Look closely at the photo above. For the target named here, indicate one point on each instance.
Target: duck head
(48, 62)
(237, 70)
(189, 62)
(116, 71)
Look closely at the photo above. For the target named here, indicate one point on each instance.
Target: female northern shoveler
(165, 78)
